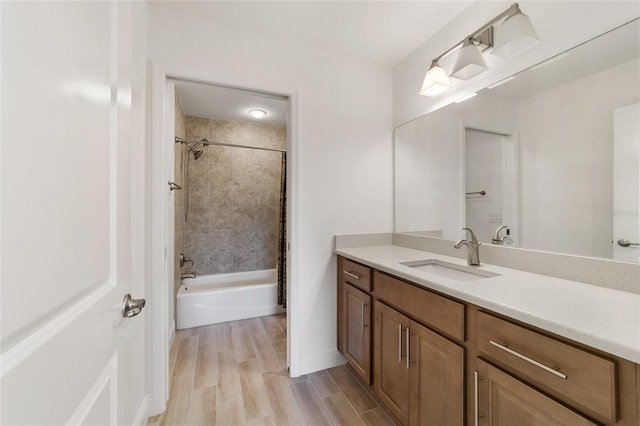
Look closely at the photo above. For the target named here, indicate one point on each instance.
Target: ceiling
(382, 31)
(223, 103)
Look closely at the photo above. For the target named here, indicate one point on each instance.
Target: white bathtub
(210, 299)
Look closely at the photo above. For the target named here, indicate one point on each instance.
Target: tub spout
(187, 275)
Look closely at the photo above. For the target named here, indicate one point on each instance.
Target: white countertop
(600, 317)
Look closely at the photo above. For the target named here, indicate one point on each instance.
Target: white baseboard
(143, 415)
(321, 362)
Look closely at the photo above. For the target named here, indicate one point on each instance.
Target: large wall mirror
(550, 156)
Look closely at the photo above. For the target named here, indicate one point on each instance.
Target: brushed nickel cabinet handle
(352, 275)
(529, 360)
(475, 397)
(408, 345)
(399, 343)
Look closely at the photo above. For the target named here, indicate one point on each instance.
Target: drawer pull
(352, 275)
(526, 358)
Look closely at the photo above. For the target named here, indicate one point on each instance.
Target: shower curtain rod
(208, 142)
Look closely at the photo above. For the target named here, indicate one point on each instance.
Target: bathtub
(210, 299)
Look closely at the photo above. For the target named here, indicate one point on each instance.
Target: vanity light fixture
(515, 35)
(257, 113)
(436, 81)
(470, 61)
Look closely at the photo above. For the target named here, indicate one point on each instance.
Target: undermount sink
(450, 270)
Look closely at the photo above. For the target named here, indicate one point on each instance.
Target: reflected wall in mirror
(556, 149)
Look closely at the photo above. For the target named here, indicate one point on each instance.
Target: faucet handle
(474, 240)
(184, 259)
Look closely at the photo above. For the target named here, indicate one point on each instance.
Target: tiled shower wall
(179, 177)
(234, 197)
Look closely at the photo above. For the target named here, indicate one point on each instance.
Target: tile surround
(234, 197)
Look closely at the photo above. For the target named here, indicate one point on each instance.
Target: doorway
(164, 148)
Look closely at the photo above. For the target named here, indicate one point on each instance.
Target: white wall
(566, 145)
(560, 25)
(344, 149)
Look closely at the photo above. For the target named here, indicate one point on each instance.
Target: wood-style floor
(235, 373)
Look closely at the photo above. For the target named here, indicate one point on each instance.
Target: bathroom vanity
(440, 342)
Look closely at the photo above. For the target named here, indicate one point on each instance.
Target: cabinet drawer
(433, 310)
(356, 274)
(568, 372)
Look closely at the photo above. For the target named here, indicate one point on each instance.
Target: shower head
(197, 153)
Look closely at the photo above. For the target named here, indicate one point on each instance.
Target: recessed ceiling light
(257, 113)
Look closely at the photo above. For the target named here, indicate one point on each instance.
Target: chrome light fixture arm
(514, 9)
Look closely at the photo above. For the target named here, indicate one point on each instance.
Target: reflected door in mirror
(489, 200)
(626, 182)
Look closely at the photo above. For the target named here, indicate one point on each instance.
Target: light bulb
(257, 113)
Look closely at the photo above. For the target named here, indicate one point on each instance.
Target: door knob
(626, 243)
(131, 307)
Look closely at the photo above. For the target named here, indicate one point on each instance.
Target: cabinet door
(505, 400)
(357, 344)
(391, 372)
(436, 379)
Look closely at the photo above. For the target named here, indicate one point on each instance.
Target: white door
(626, 182)
(68, 355)
(491, 185)
(484, 180)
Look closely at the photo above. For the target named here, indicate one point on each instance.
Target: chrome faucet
(473, 254)
(498, 240)
(187, 275)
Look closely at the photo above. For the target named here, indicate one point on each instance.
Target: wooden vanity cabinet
(418, 373)
(575, 376)
(357, 345)
(504, 400)
(436, 382)
(391, 368)
(354, 316)
(416, 347)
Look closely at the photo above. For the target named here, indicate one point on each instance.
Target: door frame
(158, 144)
